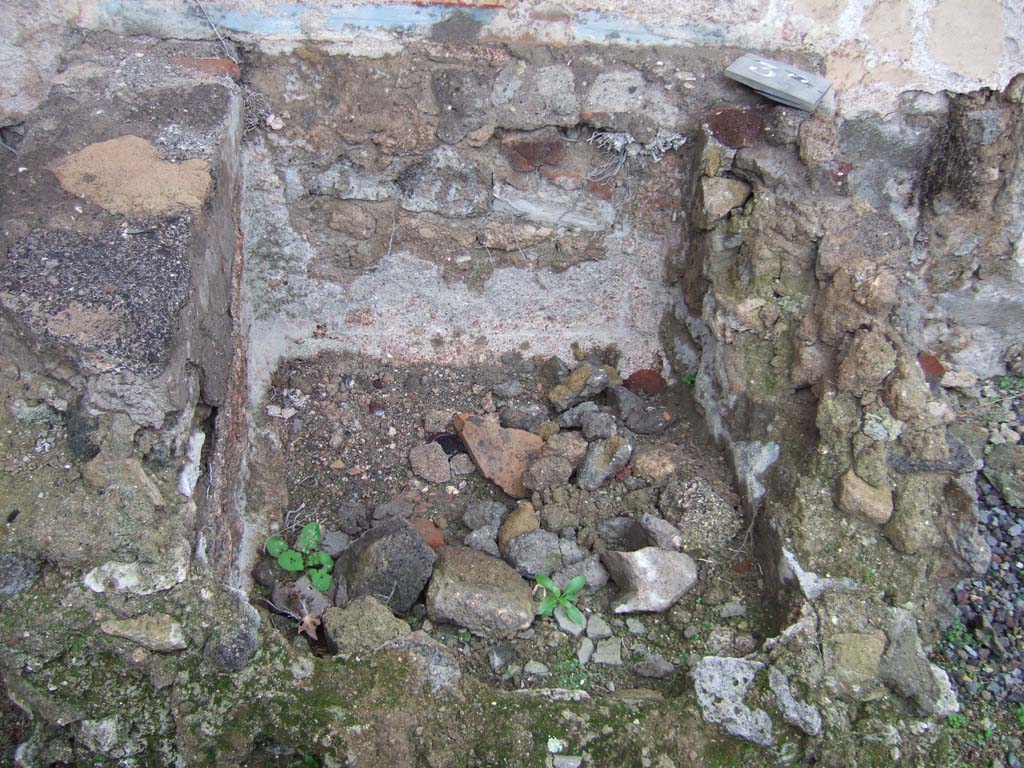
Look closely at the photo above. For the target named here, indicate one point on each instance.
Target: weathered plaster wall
(871, 49)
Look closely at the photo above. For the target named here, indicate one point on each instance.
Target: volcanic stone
(651, 579)
(390, 562)
(479, 592)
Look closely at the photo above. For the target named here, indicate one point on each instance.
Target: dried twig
(394, 227)
(280, 611)
(12, 150)
(223, 42)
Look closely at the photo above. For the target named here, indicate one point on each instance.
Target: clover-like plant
(306, 556)
(565, 598)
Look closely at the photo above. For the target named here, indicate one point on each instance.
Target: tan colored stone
(717, 196)
(520, 520)
(858, 498)
(126, 175)
(501, 455)
(890, 27)
(103, 473)
(856, 657)
(570, 445)
(656, 463)
(967, 36)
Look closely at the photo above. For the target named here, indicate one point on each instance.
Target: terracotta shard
(501, 455)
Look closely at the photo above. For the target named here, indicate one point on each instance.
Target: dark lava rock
(527, 416)
(81, 432)
(391, 562)
(16, 574)
(350, 518)
(232, 651)
(646, 382)
(604, 458)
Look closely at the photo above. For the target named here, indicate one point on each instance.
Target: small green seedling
(556, 597)
(956, 721)
(689, 378)
(1018, 712)
(317, 563)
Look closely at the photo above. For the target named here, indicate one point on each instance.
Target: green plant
(570, 674)
(565, 598)
(306, 556)
(1010, 383)
(956, 720)
(956, 635)
(689, 378)
(1018, 712)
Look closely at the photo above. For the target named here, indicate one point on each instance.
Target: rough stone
(362, 626)
(717, 196)
(870, 360)
(650, 579)
(568, 625)
(646, 382)
(520, 520)
(157, 632)
(661, 532)
(721, 684)
(335, 542)
(484, 514)
(585, 652)
(500, 656)
(547, 472)
(484, 539)
(573, 417)
(638, 415)
(535, 552)
(655, 463)
(598, 628)
(859, 499)
(795, 712)
(529, 151)
(501, 455)
(429, 462)
(16, 574)
(597, 425)
(654, 665)
(597, 576)
(526, 98)
(527, 416)
(706, 521)
(536, 669)
(479, 592)
(905, 668)
(390, 562)
(608, 652)
(603, 460)
(855, 658)
(1004, 468)
(585, 381)
(232, 651)
(445, 183)
(569, 445)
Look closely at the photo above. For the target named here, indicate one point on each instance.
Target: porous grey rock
(362, 626)
(591, 567)
(1004, 468)
(609, 652)
(717, 195)
(479, 592)
(481, 514)
(604, 458)
(526, 98)
(535, 552)
(484, 539)
(706, 521)
(16, 574)
(796, 713)
(572, 552)
(623, 533)
(569, 445)
(573, 418)
(654, 665)
(598, 426)
(352, 518)
(661, 532)
(445, 182)
(864, 501)
(720, 684)
(390, 562)
(429, 462)
(650, 579)
(526, 416)
(547, 472)
(232, 650)
(637, 414)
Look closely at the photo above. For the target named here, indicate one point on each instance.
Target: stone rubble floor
(347, 424)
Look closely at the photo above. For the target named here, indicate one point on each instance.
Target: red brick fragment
(930, 365)
(429, 532)
(646, 381)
